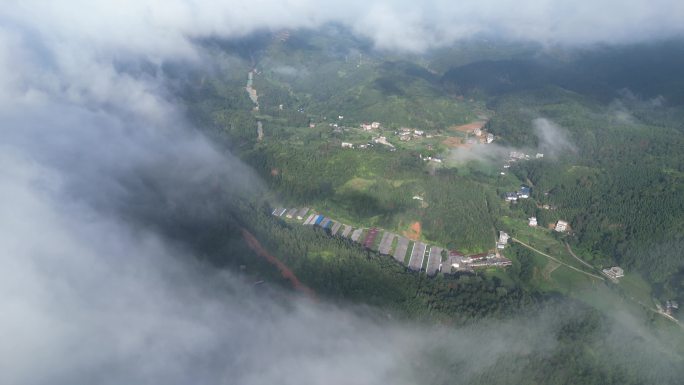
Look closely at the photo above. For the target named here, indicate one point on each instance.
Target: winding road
(557, 260)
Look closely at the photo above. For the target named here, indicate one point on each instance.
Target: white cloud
(89, 295)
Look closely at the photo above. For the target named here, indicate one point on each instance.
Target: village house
(418, 132)
(375, 125)
(366, 126)
(511, 197)
(539, 155)
(518, 155)
(490, 138)
(503, 240)
(561, 226)
(382, 140)
(533, 221)
(524, 192)
(477, 131)
(614, 273)
(670, 306)
(347, 145)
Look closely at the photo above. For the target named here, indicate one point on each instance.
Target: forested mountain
(612, 168)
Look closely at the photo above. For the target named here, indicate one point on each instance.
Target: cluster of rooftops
(416, 255)
(523, 193)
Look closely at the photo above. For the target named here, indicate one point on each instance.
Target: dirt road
(557, 260)
(285, 271)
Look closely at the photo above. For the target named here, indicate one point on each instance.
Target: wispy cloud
(93, 149)
(553, 141)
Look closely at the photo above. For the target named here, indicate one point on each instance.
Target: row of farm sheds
(416, 255)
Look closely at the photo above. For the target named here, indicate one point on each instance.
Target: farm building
(386, 243)
(493, 261)
(302, 212)
(503, 240)
(417, 256)
(325, 222)
(511, 197)
(434, 260)
(310, 219)
(356, 235)
(524, 192)
(370, 238)
(561, 226)
(400, 250)
(614, 272)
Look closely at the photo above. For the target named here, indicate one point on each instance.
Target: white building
(503, 240)
(503, 237)
(366, 126)
(511, 197)
(614, 272)
(375, 125)
(347, 145)
(418, 132)
(561, 226)
(533, 221)
(539, 155)
(490, 138)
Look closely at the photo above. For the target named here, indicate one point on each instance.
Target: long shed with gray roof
(335, 228)
(310, 219)
(434, 260)
(302, 212)
(417, 256)
(386, 243)
(356, 234)
(400, 250)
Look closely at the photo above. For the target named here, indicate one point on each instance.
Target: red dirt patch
(413, 233)
(469, 127)
(285, 271)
